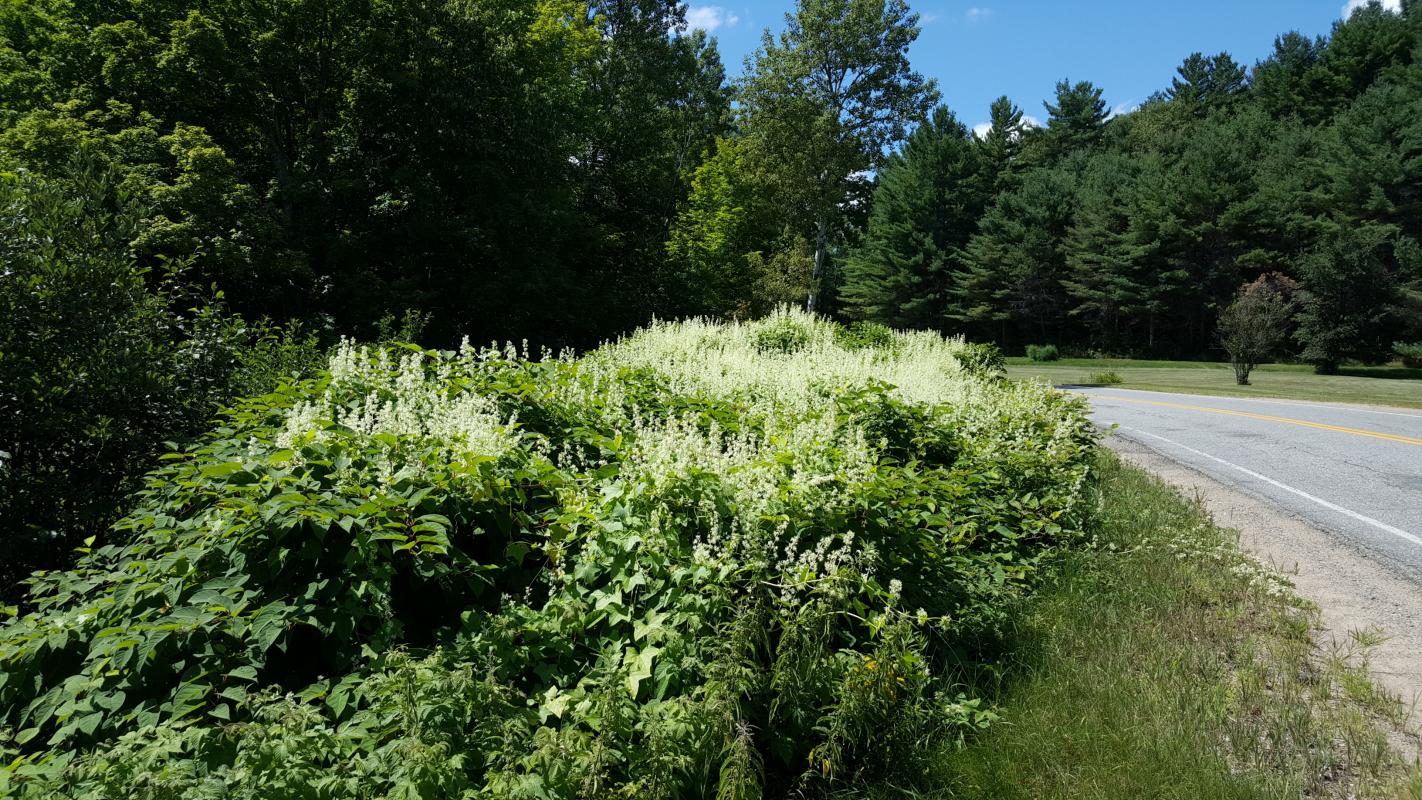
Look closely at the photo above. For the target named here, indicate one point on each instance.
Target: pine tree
(1292, 80)
(926, 206)
(1002, 144)
(1108, 281)
(1347, 297)
(1203, 84)
(1076, 122)
(1013, 268)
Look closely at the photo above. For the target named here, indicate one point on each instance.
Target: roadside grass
(1164, 663)
(1383, 385)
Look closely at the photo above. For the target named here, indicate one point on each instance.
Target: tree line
(196, 199)
(1130, 235)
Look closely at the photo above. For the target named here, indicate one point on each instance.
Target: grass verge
(1392, 386)
(1164, 663)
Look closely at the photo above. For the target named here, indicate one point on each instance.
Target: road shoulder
(1353, 593)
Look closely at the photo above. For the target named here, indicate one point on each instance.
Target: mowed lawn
(1390, 386)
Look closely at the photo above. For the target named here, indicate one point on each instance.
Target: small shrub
(1252, 327)
(1411, 354)
(1107, 378)
(982, 359)
(1042, 352)
(409, 328)
(865, 335)
(780, 333)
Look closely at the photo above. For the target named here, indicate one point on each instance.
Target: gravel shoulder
(1353, 592)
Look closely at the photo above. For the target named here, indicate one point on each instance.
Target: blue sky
(980, 49)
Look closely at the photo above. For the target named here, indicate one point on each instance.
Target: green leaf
(640, 667)
(221, 470)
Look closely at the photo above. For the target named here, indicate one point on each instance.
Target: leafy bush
(983, 359)
(781, 333)
(860, 335)
(674, 566)
(1042, 352)
(1107, 378)
(1411, 354)
(1254, 324)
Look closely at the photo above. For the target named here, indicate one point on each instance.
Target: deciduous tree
(825, 100)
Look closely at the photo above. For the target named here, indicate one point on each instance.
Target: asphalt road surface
(1354, 471)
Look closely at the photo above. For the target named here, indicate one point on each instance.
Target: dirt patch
(1353, 593)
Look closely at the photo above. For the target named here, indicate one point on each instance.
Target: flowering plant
(707, 556)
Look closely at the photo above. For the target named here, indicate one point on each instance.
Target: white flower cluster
(748, 491)
(1202, 543)
(371, 394)
(723, 360)
(804, 459)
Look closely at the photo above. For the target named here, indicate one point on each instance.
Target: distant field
(1392, 386)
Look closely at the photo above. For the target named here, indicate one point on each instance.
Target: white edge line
(1398, 532)
(1327, 406)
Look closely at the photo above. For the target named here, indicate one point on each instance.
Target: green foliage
(1205, 84)
(1000, 146)
(99, 362)
(983, 359)
(859, 335)
(719, 242)
(1075, 122)
(928, 197)
(821, 104)
(1108, 378)
(782, 334)
(1411, 354)
(1345, 302)
(1132, 233)
(1042, 352)
(1014, 265)
(495, 165)
(677, 565)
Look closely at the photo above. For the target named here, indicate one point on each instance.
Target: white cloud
(709, 18)
(1123, 108)
(975, 13)
(1394, 6)
(928, 19)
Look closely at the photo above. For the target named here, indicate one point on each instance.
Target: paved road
(1355, 471)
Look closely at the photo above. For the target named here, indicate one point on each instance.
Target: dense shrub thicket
(103, 360)
(731, 558)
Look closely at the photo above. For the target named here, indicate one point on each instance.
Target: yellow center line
(1270, 418)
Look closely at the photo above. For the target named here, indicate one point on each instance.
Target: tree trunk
(1241, 373)
(817, 275)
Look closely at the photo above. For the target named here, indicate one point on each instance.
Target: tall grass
(1166, 664)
